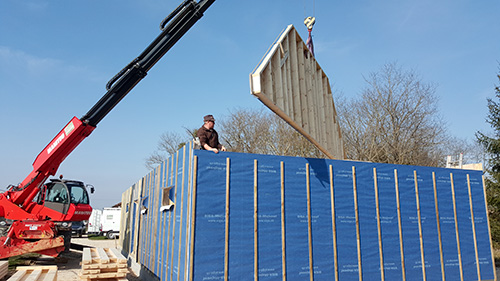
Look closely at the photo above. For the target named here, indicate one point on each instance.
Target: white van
(94, 224)
(110, 222)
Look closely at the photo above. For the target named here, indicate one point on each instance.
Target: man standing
(209, 139)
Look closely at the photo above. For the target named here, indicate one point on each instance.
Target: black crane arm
(173, 27)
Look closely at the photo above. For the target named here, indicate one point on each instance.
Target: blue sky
(56, 57)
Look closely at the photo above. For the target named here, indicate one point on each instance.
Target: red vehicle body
(37, 214)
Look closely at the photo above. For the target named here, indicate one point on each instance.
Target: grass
(96, 237)
(26, 259)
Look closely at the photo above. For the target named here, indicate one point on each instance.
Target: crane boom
(32, 220)
(173, 27)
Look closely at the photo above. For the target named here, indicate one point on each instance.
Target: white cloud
(15, 60)
(19, 65)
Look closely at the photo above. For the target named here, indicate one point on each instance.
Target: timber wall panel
(258, 217)
(291, 83)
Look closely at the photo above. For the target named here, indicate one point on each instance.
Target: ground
(69, 263)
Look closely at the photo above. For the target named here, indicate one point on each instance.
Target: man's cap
(209, 117)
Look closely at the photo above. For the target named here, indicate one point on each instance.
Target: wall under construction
(207, 216)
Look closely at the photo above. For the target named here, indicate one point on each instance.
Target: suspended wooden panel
(291, 83)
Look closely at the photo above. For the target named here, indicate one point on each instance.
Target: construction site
(201, 215)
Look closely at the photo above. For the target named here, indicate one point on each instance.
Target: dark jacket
(209, 137)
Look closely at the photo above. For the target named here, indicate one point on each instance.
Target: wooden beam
(489, 229)
(400, 226)
(438, 224)
(283, 230)
(358, 236)
(193, 217)
(420, 235)
(456, 227)
(334, 230)
(255, 223)
(226, 247)
(473, 229)
(309, 223)
(179, 254)
(379, 228)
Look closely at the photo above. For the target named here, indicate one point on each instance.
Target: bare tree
(168, 144)
(244, 130)
(395, 120)
(471, 150)
(263, 132)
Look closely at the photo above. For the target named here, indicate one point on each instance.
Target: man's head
(209, 121)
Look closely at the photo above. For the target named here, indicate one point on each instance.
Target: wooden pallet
(35, 273)
(4, 268)
(103, 263)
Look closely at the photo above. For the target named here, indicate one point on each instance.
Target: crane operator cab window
(57, 197)
(57, 193)
(78, 194)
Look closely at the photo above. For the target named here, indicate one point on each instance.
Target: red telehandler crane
(35, 216)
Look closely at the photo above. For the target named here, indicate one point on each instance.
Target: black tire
(67, 240)
(110, 235)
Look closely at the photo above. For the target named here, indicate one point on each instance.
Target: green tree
(491, 145)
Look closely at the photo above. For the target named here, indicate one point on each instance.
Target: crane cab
(59, 194)
(64, 200)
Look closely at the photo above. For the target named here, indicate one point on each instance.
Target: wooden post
(193, 218)
(170, 216)
(358, 238)
(295, 88)
(379, 228)
(456, 227)
(420, 236)
(147, 242)
(401, 249)
(473, 229)
(334, 231)
(226, 248)
(489, 229)
(283, 244)
(140, 222)
(164, 216)
(440, 239)
(157, 215)
(255, 223)
(182, 213)
(189, 207)
(309, 228)
(174, 213)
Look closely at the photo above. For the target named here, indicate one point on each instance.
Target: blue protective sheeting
(246, 217)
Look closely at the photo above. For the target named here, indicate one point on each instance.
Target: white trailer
(110, 222)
